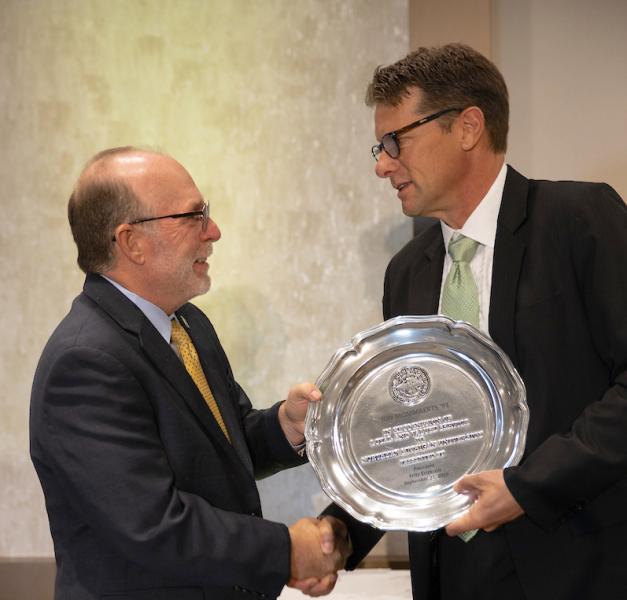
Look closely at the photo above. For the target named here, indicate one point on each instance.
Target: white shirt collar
(153, 313)
(481, 224)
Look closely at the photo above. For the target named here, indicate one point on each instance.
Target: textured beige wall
(564, 63)
(435, 22)
(262, 101)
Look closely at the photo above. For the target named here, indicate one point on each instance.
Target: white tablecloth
(361, 584)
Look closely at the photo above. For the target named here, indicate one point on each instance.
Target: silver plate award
(408, 407)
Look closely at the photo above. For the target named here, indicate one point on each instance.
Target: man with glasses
(146, 447)
(550, 288)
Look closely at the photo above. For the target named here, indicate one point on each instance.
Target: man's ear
(472, 124)
(130, 243)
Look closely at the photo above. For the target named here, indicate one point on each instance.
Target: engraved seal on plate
(409, 386)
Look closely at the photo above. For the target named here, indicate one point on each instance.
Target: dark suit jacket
(145, 496)
(558, 308)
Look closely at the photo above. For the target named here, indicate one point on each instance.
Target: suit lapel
(156, 349)
(221, 386)
(165, 360)
(509, 250)
(426, 278)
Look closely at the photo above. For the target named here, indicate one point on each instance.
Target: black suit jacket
(145, 496)
(558, 308)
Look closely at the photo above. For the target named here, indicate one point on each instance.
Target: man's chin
(416, 209)
(204, 287)
(201, 287)
(411, 211)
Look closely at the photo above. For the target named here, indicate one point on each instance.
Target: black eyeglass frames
(389, 142)
(201, 215)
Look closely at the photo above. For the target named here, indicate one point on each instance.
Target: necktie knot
(462, 248)
(179, 335)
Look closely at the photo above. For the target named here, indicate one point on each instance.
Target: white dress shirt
(481, 227)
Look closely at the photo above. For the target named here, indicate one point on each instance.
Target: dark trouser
(480, 569)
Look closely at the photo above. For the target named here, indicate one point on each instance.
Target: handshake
(320, 548)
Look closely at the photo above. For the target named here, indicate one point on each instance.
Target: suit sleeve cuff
(282, 450)
(539, 510)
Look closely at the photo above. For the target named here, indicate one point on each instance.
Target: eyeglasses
(389, 142)
(201, 215)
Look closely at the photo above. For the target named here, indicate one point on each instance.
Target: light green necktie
(460, 297)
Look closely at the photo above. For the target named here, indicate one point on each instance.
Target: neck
(134, 284)
(480, 175)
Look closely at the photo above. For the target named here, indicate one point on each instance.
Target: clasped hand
(320, 548)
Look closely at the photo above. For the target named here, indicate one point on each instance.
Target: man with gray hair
(548, 281)
(146, 447)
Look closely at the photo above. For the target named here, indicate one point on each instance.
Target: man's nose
(385, 165)
(212, 232)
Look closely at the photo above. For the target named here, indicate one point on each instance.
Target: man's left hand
(493, 504)
(293, 411)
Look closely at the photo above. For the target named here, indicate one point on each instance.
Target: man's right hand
(320, 548)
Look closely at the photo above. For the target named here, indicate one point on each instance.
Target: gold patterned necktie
(191, 361)
(460, 297)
